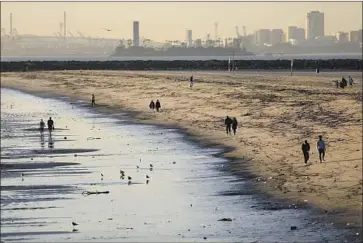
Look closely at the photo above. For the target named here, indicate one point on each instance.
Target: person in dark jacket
(93, 101)
(306, 149)
(191, 82)
(157, 105)
(228, 123)
(234, 125)
(50, 124)
(152, 105)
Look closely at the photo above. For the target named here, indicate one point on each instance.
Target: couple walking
(231, 123)
(320, 145)
(50, 124)
(155, 105)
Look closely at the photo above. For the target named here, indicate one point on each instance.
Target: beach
(276, 113)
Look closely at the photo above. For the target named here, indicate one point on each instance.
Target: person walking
(320, 145)
(157, 105)
(306, 149)
(50, 124)
(191, 82)
(93, 101)
(228, 123)
(350, 80)
(234, 125)
(152, 105)
(41, 125)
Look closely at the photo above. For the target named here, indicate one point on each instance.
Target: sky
(162, 21)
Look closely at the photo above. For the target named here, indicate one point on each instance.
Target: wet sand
(276, 114)
(189, 193)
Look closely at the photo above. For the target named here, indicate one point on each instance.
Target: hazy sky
(167, 20)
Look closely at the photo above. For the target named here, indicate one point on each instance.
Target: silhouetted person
(191, 81)
(337, 83)
(228, 123)
(152, 105)
(234, 125)
(93, 101)
(306, 149)
(350, 80)
(320, 145)
(343, 83)
(50, 124)
(41, 125)
(157, 105)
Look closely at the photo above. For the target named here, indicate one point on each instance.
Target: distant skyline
(162, 21)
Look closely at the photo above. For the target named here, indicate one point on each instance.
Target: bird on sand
(22, 174)
(122, 172)
(129, 178)
(101, 174)
(137, 167)
(147, 177)
(74, 224)
(151, 166)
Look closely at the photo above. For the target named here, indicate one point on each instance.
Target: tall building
(355, 36)
(295, 33)
(263, 37)
(189, 38)
(276, 36)
(342, 37)
(314, 25)
(136, 34)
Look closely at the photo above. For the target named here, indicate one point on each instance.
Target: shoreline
(246, 164)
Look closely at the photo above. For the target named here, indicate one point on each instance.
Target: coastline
(238, 164)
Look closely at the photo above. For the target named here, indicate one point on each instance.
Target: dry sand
(276, 113)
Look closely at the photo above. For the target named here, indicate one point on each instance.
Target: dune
(276, 113)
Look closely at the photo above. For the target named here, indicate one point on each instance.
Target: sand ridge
(276, 113)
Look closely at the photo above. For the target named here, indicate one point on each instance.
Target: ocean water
(188, 191)
(256, 57)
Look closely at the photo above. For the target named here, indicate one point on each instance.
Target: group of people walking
(321, 147)
(344, 83)
(231, 123)
(155, 105)
(50, 124)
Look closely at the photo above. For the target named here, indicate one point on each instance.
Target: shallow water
(189, 188)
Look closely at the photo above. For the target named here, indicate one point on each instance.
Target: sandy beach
(276, 113)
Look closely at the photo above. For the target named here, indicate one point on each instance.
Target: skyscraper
(189, 38)
(136, 30)
(314, 25)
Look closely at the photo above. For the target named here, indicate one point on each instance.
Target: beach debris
(74, 224)
(293, 228)
(87, 193)
(225, 219)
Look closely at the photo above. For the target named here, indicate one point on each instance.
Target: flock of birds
(129, 178)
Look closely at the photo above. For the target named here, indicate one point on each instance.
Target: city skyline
(164, 20)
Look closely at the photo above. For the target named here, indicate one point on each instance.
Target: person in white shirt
(320, 145)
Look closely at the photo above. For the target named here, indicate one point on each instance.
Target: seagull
(101, 174)
(151, 166)
(147, 177)
(74, 224)
(106, 29)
